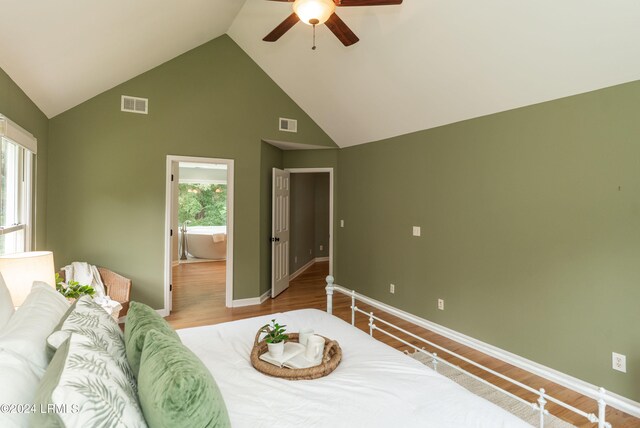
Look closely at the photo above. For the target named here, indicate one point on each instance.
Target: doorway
(307, 235)
(199, 233)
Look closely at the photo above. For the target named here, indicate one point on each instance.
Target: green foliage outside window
(202, 204)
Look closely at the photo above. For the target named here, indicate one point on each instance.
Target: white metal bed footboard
(599, 395)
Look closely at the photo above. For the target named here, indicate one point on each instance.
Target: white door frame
(167, 226)
(330, 171)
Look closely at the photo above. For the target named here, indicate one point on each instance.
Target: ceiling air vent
(288, 125)
(134, 104)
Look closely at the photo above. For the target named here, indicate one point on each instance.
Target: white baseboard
(625, 404)
(301, 270)
(251, 301)
(307, 266)
(585, 388)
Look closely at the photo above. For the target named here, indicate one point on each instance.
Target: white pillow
(27, 330)
(20, 382)
(6, 304)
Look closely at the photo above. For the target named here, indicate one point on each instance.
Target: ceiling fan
(318, 12)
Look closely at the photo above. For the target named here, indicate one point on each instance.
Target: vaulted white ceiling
(432, 62)
(420, 65)
(64, 52)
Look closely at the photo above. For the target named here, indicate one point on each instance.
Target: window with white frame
(16, 188)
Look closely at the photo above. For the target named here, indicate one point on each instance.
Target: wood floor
(199, 299)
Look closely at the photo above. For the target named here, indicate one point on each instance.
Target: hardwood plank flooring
(199, 299)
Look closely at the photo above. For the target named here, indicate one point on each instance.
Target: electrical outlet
(441, 304)
(295, 259)
(392, 288)
(619, 362)
(310, 251)
(416, 230)
(341, 223)
(321, 247)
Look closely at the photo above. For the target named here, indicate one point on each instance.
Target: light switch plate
(416, 230)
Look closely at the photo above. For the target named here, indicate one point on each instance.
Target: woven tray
(330, 360)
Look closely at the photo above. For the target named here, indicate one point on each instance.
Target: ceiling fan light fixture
(314, 12)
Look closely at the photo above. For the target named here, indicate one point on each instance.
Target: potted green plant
(72, 290)
(275, 337)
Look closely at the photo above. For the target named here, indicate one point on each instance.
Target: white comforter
(374, 385)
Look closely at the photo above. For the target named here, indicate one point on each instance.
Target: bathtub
(207, 242)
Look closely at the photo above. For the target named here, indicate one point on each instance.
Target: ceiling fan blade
(341, 30)
(366, 2)
(282, 28)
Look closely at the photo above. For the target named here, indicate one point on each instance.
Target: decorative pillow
(27, 330)
(87, 318)
(87, 388)
(140, 319)
(82, 316)
(19, 384)
(6, 304)
(175, 389)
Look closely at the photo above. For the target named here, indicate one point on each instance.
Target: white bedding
(374, 385)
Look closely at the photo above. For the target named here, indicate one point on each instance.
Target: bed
(163, 378)
(374, 386)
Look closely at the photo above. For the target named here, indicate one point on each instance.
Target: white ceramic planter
(276, 349)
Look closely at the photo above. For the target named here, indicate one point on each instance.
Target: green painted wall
(530, 230)
(107, 193)
(17, 106)
(322, 158)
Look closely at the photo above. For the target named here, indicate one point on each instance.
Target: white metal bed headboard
(599, 395)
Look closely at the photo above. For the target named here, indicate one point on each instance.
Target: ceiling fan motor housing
(314, 12)
(317, 12)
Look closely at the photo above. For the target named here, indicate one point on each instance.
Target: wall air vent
(134, 104)
(288, 125)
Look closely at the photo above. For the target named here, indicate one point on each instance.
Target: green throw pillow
(140, 319)
(175, 389)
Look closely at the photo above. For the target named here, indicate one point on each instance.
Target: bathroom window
(15, 197)
(202, 204)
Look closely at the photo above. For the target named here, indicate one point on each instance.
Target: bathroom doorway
(199, 238)
(202, 213)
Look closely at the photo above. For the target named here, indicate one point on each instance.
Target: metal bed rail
(599, 395)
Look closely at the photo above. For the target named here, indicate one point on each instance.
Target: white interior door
(280, 232)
